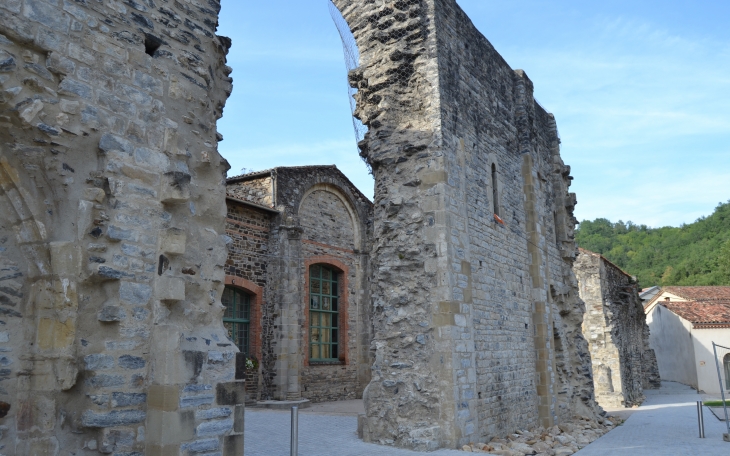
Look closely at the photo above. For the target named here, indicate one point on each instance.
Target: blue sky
(640, 91)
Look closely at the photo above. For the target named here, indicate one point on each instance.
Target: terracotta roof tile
(700, 293)
(701, 312)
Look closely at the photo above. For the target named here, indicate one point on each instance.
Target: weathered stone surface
(113, 418)
(617, 333)
(94, 155)
(473, 236)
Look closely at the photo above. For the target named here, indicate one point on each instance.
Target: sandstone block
(173, 241)
(163, 397)
(169, 288)
(165, 428)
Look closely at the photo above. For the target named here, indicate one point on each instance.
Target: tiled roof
(700, 293)
(701, 313)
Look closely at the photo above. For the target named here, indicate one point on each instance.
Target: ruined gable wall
(112, 214)
(257, 190)
(466, 312)
(489, 116)
(615, 326)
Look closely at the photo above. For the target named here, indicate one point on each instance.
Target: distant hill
(693, 254)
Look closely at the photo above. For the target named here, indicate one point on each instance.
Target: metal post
(700, 419)
(722, 388)
(294, 431)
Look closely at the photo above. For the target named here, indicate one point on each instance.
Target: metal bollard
(294, 431)
(700, 419)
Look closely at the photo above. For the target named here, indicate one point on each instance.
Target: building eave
(254, 205)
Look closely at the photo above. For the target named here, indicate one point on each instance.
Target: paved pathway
(666, 424)
(267, 434)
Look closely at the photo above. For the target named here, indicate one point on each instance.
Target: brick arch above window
(346, 201)
(343, 271)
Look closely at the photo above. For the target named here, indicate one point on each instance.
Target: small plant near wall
(252, 364)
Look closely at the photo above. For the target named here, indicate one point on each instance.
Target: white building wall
(705, 358)
(672, 340)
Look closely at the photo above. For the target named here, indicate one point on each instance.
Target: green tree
(693, 254)
(724, 261)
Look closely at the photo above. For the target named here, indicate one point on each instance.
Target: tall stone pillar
(291, 320)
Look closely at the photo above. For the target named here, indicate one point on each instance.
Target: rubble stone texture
(281, 222)
(615, 327)
(477, 323)
(110, 186)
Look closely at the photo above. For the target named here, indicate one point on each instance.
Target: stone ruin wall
(477, 324)
(615, 327)
(111, 246)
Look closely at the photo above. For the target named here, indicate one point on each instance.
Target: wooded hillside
(693, 254)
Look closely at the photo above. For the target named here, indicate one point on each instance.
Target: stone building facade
(476, 313)
(112, 246)
(618, 336)
(298, 256)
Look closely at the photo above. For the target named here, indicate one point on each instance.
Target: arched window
(237, 318)
(323, 314)
(495, 191)
(726, 365)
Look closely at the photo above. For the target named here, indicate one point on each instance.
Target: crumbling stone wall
(617, 333)
(257, 190)
(318, 217)
(111, 246)
(476, 317)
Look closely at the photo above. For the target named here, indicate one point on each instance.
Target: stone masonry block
(175, 187)
(239, 418)
(170, 288)
(172, 241)
(112, 419)
(65, 259)
(163, 397)
(233, 445)
(162, 450)
(231, 393)
(111, 313)
(216, 427)
(168, 428)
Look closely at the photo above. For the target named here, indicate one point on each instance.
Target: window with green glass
(323, 314)
(237, 318)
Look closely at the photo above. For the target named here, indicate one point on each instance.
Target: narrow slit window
(495, 191)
